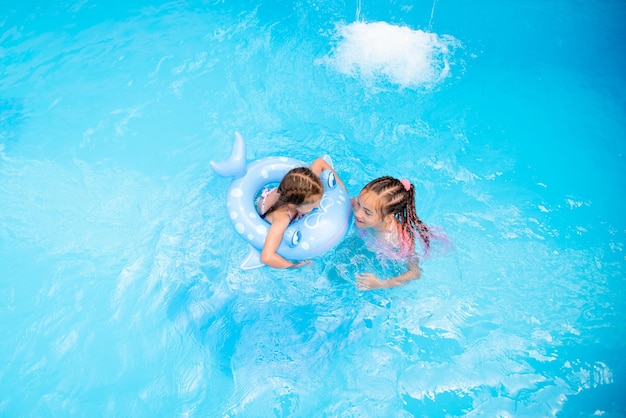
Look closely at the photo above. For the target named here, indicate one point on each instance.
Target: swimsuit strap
(294, 218)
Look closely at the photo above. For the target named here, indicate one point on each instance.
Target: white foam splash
(397, 54)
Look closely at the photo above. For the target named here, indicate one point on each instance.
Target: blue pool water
(120, 291)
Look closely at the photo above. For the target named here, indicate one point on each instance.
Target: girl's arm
(368, 281)
(320, 165)
(269, 256)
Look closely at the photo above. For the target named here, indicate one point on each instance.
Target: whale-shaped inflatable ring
(314, 234)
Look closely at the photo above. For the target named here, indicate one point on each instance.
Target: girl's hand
(300, 264)
(367, 281)
(320, 165)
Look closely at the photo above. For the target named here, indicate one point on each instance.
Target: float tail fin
(235, 166)
(252, 260)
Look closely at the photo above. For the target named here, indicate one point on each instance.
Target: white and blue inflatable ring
(313, 235)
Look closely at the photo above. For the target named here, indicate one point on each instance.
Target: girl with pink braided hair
(386, 208)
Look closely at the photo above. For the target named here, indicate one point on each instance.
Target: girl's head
(385, 200)
(300, 187)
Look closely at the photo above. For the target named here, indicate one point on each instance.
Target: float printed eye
(295, 239)
(332, 182)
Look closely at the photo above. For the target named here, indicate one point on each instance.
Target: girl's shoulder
(403, 240)
(281, 212)
(279, 218)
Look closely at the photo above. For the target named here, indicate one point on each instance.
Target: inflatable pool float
(313, 235)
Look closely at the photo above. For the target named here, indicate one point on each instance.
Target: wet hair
(298, 185)
(394, 199)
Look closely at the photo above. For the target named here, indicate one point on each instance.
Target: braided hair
(395, 199)
(298, 185)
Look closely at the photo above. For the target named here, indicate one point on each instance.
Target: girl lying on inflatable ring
(298, 193)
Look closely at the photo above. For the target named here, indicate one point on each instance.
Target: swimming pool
(120, 292)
